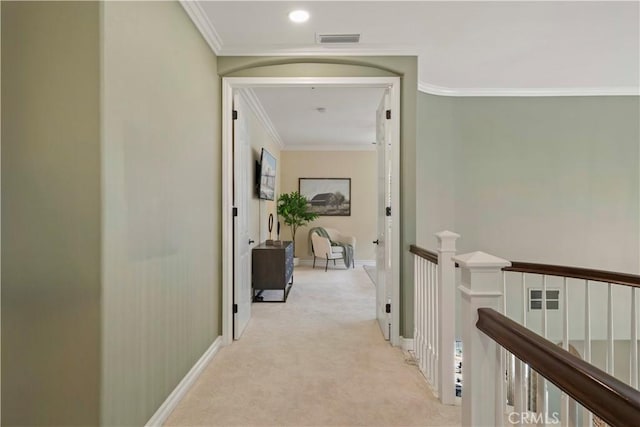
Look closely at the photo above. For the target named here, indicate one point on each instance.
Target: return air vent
(337, 38)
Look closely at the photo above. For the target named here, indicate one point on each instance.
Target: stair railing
(434, 328)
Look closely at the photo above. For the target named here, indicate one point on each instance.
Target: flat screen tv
(267, 183)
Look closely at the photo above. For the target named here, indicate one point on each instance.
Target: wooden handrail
(576, 273)
(607, 397)
(423, 253)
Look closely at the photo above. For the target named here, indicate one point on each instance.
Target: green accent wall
(51, 213)
(161, 162)
(542, 179)
(434, 168)
(361, 66)
(111, 206)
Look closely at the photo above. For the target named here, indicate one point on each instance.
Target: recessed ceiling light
(299, 16)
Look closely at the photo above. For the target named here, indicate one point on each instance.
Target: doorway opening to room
(238, 190)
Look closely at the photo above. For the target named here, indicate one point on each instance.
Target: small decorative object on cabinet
(269, 241)
(272, 269)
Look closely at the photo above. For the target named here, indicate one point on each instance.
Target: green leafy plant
(293, 208)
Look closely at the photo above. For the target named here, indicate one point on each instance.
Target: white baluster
(425, 309)
(500, 396)
(610, 341)
(430, 324)
(432, 295)
(542, 395)
(446, 315)
(634, 339)
(425, 317)
(416, 307)
(587, 418)
(502, 377)
(519, 390)
(565, 400)
(426, 321)
(520, 384)
(418, 312)
(525, 298)
(544, 306)
(521, 379)
(436, 328)
(420, 317)
(504, 293)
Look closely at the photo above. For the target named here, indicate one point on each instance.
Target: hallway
(319, 359)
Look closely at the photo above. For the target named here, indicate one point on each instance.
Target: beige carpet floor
(317, 360)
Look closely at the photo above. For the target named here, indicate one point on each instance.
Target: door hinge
(235, 211)
(388, 114)
(388, 210)
(235, 308)
(235, 114)
(387, 308)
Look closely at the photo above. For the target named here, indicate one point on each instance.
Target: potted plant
(293, 208)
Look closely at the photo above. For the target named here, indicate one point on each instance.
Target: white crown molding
(256, 106)
(522, 92)
(321, 50)
(208, 31)
(329, 147)
(184, 385)
(203, 23)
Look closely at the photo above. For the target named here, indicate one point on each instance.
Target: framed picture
(327, 196)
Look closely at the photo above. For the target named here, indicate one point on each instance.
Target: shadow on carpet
(371, 272)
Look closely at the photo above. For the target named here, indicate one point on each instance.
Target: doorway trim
(229, 84)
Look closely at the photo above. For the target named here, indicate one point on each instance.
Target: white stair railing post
(447, 315)
(480, 287)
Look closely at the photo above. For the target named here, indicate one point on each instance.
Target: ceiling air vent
(337, 38)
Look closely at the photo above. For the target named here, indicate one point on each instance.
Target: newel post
(480, 287)
(447, 315)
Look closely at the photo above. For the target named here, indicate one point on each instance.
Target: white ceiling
(349, 122)
(464, 48)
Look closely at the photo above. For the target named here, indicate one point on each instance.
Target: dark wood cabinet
(272, 269)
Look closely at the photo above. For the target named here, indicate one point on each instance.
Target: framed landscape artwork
(327, 196)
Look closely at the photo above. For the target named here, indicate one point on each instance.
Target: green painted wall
(161, 175)
(111, 164)
(553, 180)
(546, 179)
(434, 168)
(51, 212)
(403, 66)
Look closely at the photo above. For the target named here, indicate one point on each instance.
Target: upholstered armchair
(343, 245)
(322, 249)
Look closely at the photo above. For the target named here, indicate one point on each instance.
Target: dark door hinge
(235, 308)
(235, 211)
(387, 308)
(235, 114)
(388, 210)
(388, 114)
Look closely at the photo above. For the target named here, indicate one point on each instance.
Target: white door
(383, 252)
(242, 297)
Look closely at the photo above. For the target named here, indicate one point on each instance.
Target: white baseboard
(183, 387)
(319, 261)
(406, 344)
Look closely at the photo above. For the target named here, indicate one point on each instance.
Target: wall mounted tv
(267, 177)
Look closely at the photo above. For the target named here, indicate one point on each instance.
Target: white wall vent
(337, 38)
